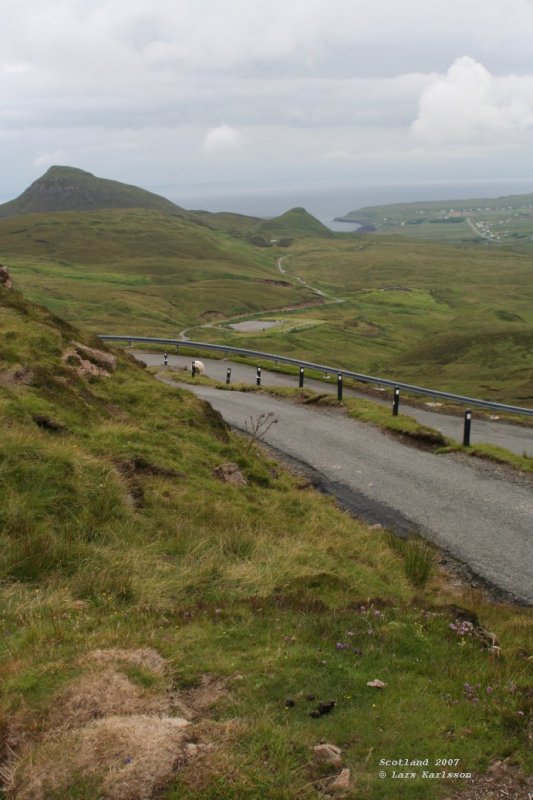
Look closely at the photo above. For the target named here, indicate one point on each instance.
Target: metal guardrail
(297, 362)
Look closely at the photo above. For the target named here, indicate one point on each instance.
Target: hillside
(70, 189)
(139, 271)
(295, 223)
(164, 631)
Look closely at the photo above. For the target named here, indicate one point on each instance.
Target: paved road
(513, 437)
(481, 518)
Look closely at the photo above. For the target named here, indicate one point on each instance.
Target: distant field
(455, 317)
(504, 220)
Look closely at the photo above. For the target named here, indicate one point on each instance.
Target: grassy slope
(105, 544)
(159, 272)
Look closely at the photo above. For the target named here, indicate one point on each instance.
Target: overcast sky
(189, 92)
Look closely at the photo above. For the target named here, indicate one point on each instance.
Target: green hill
(70, 189)
(295, 223)
(138, 589)
(238, 225)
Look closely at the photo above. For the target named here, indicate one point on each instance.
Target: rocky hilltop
(70, 189)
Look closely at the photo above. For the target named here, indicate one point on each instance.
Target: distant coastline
(327, 203)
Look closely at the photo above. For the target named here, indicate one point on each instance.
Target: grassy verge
(136, 587)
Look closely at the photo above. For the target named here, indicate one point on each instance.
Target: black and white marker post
(258, 378)
(467, 428)
(301, 382)
(228, 375)
(396, 402)
(339, 387)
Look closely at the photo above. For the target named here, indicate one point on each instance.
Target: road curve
(482, 519)
(515, 438)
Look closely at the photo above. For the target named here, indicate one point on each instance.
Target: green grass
(138, 271)
(448, 318)
(451, 317)
(115, 533)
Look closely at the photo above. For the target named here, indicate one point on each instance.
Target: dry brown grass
(197, 701)
(106, 727)
(133, 756)
(145, 657)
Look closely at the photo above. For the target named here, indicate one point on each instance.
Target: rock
(99, 357)
(89, 361)
(5, 278)
(230, 473)
(376, 684)
(376, 527)
(328, 754)
(341, 783)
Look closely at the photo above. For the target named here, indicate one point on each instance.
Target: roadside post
(467, 428)
(228, 375)
(258, 377)
(301, 383)
(396, 402)
(339, 387)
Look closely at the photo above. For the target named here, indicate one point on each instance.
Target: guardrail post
(193, 369)
(396, 401)
(228, 375)
(467, 428)
(165, 359)
(301, 383)
(339, 387)
(258, 377)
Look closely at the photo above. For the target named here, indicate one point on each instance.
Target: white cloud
(138, 88)
(222, 140)
(468, 104)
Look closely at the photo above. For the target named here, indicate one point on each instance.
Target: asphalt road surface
(479, 513)
(513, 437)
(480, 516)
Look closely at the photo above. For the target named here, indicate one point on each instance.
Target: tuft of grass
(418, 558)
